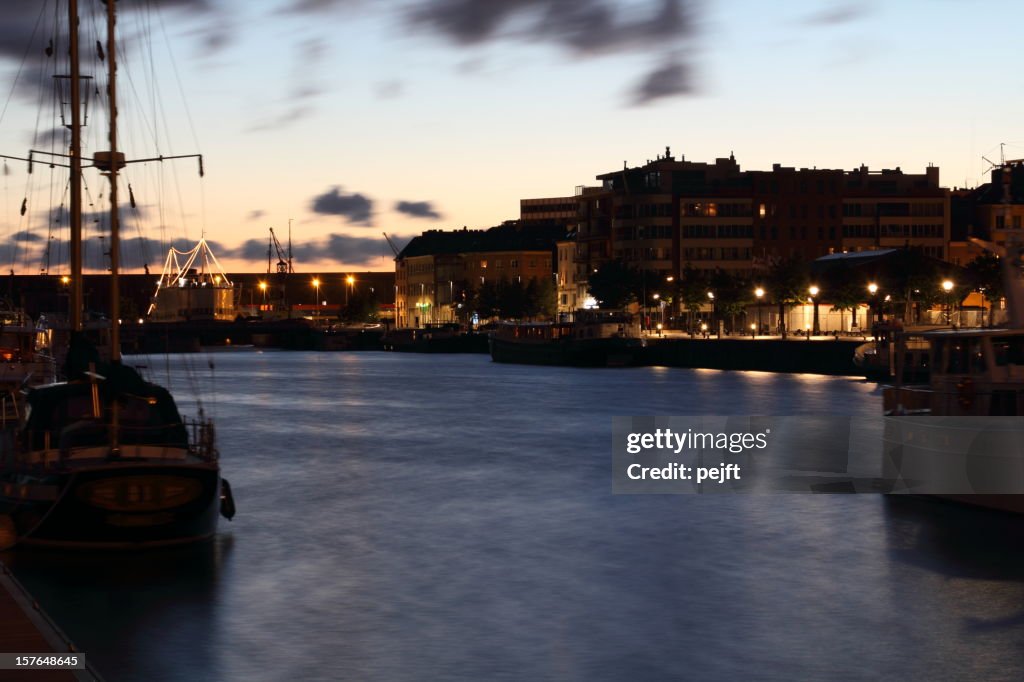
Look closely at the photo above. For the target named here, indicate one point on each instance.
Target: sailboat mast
(75, 180)
(115, 162)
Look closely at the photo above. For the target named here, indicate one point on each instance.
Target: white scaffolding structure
(197, 268)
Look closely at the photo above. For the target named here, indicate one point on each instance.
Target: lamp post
(351, 282)
(316, 285)
(872, 307)
(947, 287)
(263, 288)
(711, 297)
(661, 310)
(816, 329)
(759, 293)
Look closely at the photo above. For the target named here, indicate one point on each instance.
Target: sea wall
(769, 355)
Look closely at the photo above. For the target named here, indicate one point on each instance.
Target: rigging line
(177, 79)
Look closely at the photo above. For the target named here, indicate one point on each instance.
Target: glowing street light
(351, 281)
(947, 287)
(759, 292)
(316, 285)
(816, 330)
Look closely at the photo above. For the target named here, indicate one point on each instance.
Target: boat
(193, 287)
(961, 436)
(877, 359)
(22, 362)
(104, 459)
(596, 338)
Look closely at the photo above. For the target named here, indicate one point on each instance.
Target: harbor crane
(284, 265)
(391, 244)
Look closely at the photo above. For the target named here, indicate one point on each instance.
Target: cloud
(585, 28)
(389, 89)
(26, 236)
(256, 214)
(417, 209)
(356, 250)
(355, 208)
(838, 14)
(668, 80)
(338, 247)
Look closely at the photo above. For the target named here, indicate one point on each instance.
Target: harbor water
(441, 517)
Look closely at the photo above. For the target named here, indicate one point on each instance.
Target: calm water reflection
(407, 517)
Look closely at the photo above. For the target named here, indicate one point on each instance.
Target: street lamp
(759, 292)
(711, 297)
(873, 289)
(263, 288)
(351, 282)
(947, 286)
(316, 285)
(816, 330)
(661, 309)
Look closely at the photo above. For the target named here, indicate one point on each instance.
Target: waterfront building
(671, 214)
(438, 271)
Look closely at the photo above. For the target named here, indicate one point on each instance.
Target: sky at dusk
(355, 117)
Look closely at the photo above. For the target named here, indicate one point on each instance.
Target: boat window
(965, 357)
(1008, 351)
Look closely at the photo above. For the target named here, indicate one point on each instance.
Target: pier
(26, 629)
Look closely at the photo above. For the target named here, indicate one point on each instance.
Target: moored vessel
(594, 339)
(104, 459)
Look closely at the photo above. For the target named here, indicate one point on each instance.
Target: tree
(732, 295)
(541, 298)
(787, 285)
(907, 274)
(844, 291)
(511, 299)
(692, 291)
(362, 307)
(613, 285)
(487, 302)
(985, 274)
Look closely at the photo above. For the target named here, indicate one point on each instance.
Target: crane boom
(391, 244)
(284, 265)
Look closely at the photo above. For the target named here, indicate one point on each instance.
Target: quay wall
(768, 355)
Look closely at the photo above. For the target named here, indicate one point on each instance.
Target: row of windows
(716, 253)
(548, 208)
(643, 232)
(716, 209)
(643, 254)
(1001, 222)
(627, 211)
(764, 232)
(718, 231)
(934, 231)
(929, 209)
(513, 263)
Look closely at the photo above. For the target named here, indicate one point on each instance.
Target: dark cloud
(314, 6)
(338, 247)
(356, 250)
(417, 209)
(26, 236)
(355, 208)
(838, 14)
(256, 214)
(668, 80)
(582, 27)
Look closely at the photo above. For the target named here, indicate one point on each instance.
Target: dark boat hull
(604, 352)
(115, 505)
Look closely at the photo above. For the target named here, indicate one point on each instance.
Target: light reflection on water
(412, 517)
